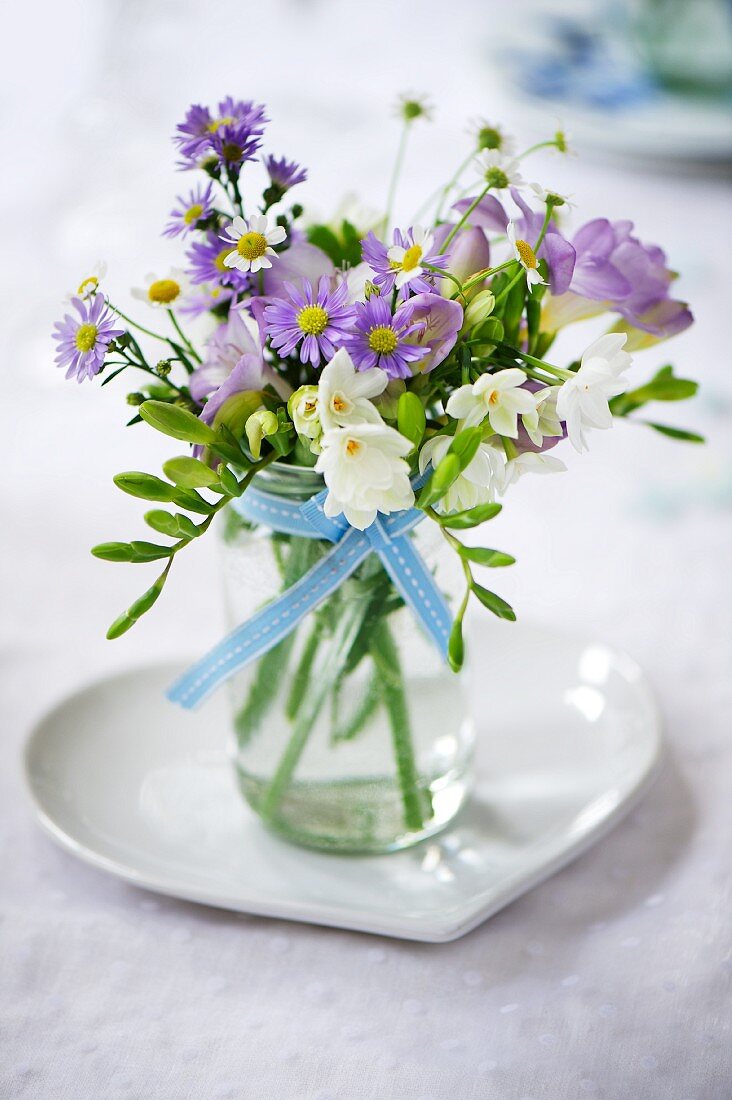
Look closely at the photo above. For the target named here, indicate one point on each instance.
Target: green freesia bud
(478, 309)
(237, 409)
(303, 409)
(135, 399)
(260, 424)
(388, 402)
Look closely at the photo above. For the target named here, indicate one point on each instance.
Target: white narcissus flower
(498, 396)
(344, 393)
(529, 462)
(363, 466)
(525, 255)
(545, 422)
(407, 262)
(253, 240)
(162, 293)
(583, 400)
(479, 482)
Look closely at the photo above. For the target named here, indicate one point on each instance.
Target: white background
(609, 980)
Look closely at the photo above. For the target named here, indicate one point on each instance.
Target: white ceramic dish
(131, 784)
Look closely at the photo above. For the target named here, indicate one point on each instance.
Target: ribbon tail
(417, 587)
(271, 624)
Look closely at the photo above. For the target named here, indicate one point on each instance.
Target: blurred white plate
(129, 783)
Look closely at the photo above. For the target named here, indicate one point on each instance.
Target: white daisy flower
(89, 285)
(498, 171)
(407, 262)
(556, 197)
(486, 135)
(162, 293)
(583, 400)
(499, 396)
(253, 240)
(525, 255)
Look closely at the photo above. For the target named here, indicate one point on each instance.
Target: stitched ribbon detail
(387, 537)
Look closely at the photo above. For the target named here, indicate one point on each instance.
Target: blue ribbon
(387, 536)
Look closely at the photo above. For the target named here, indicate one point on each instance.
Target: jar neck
(290, 482)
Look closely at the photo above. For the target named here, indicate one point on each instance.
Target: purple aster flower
(206, 264)
(200, 133)
(283, 173)
(381, 340)
(313, 320)
(403, 264)
(84, 342)
(189, 210)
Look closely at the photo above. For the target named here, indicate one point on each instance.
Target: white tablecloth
(610, 980)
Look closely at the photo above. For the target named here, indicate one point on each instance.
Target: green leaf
(190, 473)
(465, 445)
(675, 433)
(113, 551)
(411, 419)
(444, 475)
(484, 556)
(490, 331)
(471, 517)
(146, 486)
(664, 386)
(456, 646)
(493, 602)
(325, 239)
(177, 422)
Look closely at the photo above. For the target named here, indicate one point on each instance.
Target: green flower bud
(163, 368)
(260, 424)
(478, 309)
(303, 409)
(135, 399)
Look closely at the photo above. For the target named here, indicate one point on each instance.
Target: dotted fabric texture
(609, 981)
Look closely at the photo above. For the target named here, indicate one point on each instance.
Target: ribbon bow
(386, 536)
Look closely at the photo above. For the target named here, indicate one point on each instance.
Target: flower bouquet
(355, 396)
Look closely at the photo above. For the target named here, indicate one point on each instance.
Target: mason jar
(352, 734)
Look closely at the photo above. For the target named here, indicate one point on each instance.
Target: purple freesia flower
(382, 340)
(189, 210)
(402, 265)
(309, 318)
(437, 322)
(206, 264)
(83, 342)
(284, 173)
(224, 348)
(301, 260)
(236, 124)
(469, 254)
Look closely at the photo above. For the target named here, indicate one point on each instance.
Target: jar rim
(288, 480)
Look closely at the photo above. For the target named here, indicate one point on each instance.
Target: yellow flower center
(312, 320)
(352, 448)
(310, 407)
(411, 258)
(339, 404)
(214, 124)
(219, 261)
(88, 286)
(193, 213)
(382, 340)
(163, 291)
(252, 245)
(493, 397)
(86, 337)
(526, 254)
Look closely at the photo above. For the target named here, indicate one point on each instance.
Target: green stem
(301, 679)
(396, 172)
(137, 325)
(386, 660)
(183, 336)
(451, 183)
(322, 686)
(456, 228)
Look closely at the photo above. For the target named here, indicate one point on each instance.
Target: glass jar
(688, 45)
(351, 734)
